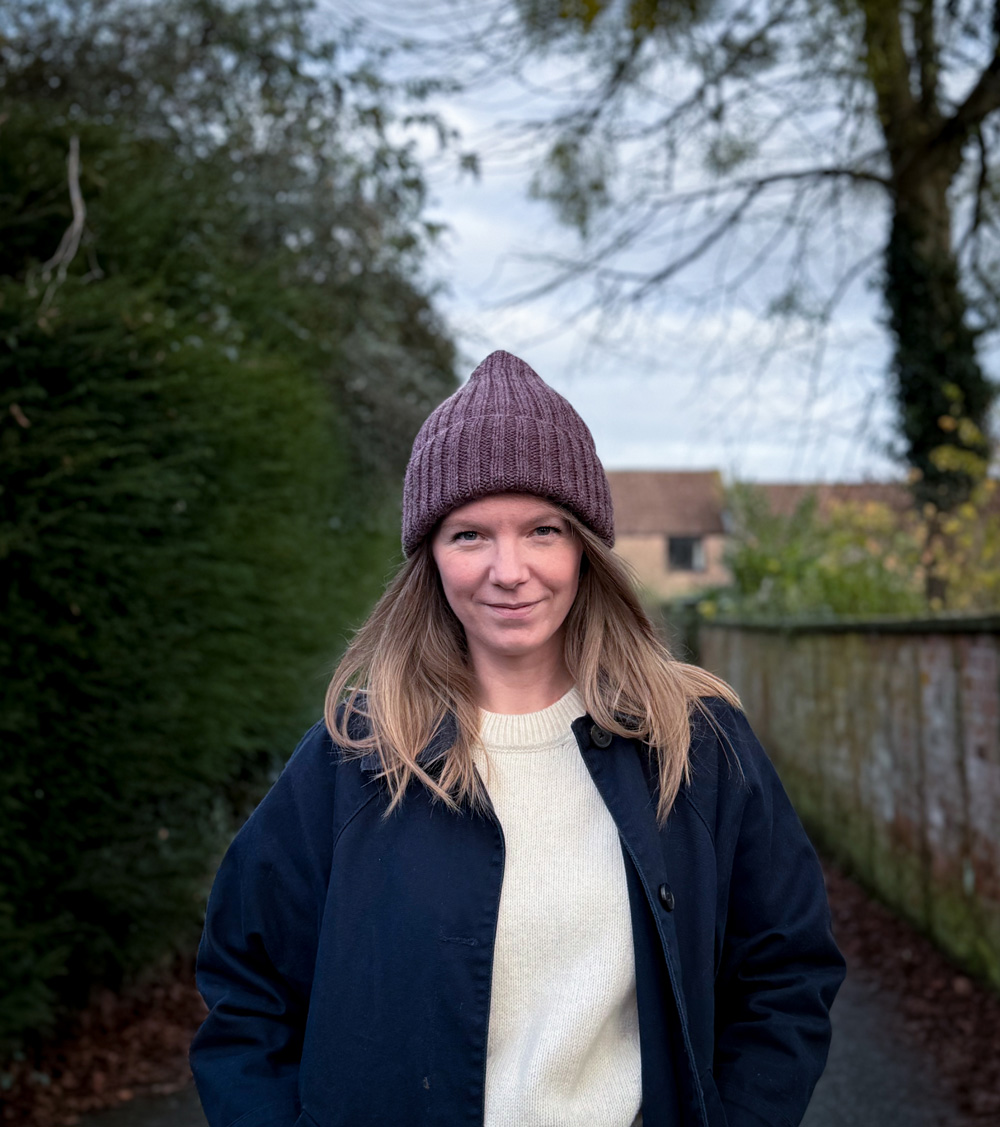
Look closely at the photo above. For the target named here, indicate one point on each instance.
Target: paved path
(182, 1110)
(874, 1078)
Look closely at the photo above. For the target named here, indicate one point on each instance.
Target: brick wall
(888, 740)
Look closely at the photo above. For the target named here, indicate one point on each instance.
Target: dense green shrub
(202, 432)
(173, 591)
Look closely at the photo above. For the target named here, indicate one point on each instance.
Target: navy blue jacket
(347, 956)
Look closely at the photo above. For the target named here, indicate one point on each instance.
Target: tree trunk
(943, 397)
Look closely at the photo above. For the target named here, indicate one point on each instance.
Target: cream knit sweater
(564, 1031)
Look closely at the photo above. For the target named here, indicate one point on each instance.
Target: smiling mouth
(512, 610)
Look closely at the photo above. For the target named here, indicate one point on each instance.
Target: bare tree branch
(698, 251)
(70, 242)
(982, 184)
(925, 33)
(982, 100)
(888, 69)
(749, 188)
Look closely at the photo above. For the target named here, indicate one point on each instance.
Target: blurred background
(247, 245)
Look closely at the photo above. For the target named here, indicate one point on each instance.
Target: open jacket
(347, 956)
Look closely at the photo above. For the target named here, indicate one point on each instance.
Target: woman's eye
(466, 534)
(547, 530)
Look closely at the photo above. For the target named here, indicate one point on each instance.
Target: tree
(751, 138)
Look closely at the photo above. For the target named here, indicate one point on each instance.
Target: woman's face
(510, 567)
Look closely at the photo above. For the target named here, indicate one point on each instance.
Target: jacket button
(666, 897)
(600, 737)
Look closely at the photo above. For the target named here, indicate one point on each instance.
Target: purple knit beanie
(505, 431)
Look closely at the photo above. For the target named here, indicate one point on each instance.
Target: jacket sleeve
(258, 949)
(779, 967)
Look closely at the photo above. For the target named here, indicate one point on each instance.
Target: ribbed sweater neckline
(531, 731)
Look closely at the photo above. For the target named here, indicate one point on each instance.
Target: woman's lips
(512, 610)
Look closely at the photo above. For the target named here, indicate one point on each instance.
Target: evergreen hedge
(173, 592)
(202, 434)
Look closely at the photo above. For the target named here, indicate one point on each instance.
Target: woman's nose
(508, 566)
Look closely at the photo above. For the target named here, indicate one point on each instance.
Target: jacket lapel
(619, 775)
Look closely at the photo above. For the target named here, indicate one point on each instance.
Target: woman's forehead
(504, 506)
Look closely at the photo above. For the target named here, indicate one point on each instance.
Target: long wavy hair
(406, 672)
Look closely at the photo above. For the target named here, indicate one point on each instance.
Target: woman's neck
(520, 689)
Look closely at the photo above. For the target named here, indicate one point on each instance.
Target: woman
(531, 871)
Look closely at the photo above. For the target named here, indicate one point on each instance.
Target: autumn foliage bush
(859, 558)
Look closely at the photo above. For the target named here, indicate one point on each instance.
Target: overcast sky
(653, 400)
(652, 392)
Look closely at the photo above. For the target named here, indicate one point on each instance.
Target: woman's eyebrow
(532, 520)
(448, 525)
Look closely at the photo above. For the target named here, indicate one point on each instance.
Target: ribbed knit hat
(505, 431)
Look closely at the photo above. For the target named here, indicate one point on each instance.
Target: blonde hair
(406, 671)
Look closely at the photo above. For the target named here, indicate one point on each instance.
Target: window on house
(686, 553)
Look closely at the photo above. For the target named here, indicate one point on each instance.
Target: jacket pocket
(713, 1101)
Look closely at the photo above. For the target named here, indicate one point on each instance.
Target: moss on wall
(889, 745)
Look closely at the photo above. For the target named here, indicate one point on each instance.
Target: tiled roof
(784, 498)
(691, 503)
(664, 501)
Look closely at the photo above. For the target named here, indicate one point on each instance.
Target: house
(669, 527)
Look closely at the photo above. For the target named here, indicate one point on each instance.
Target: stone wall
(887, 737)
